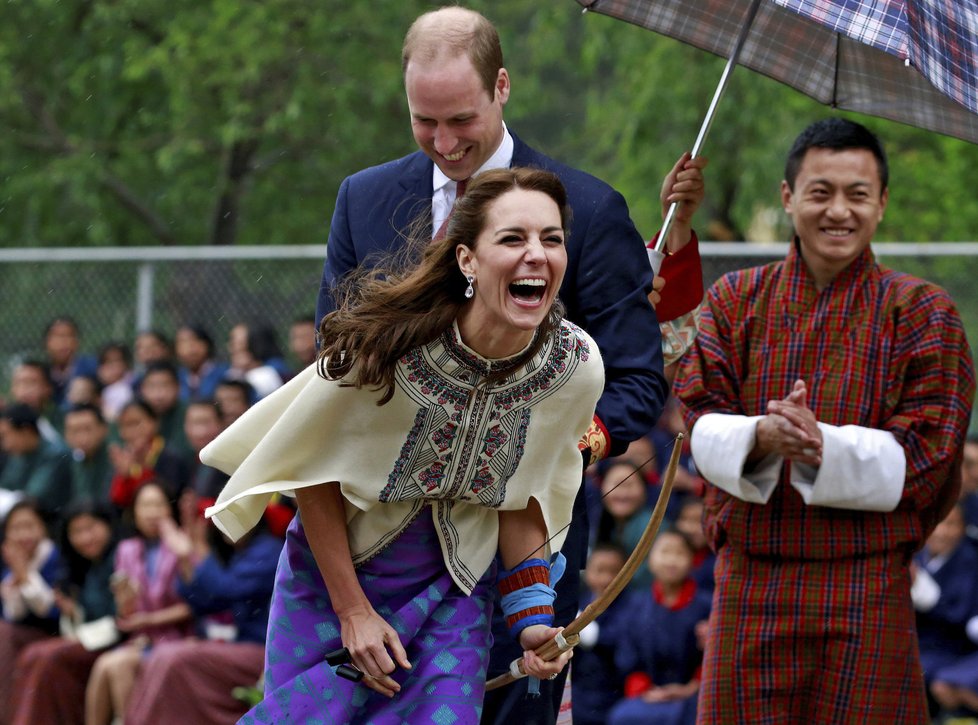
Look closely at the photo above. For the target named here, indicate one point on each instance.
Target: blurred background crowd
(120, 600)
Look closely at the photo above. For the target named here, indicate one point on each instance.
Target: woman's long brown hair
(384, 312)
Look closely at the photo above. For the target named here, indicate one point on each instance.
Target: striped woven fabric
(913, 62)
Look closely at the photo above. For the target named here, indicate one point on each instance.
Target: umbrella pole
(657, 254)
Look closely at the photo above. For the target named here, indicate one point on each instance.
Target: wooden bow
(571, 635)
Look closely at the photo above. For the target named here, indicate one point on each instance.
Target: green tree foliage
(131, 122)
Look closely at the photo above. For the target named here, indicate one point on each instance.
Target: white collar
(502, 158)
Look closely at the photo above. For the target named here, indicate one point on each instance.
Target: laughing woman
(439, 427)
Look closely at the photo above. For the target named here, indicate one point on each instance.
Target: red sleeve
(683, 273)
(636, 683)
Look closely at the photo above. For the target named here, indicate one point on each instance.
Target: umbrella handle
(707, 122)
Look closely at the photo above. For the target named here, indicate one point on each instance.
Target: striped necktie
(459, 191)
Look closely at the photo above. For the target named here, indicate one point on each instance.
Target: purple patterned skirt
(446, 635)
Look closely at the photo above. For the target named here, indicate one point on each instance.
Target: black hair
(26, 503)
(162, 366)
(20, 416)
(62, 320)
(120, 347)
(87, 408)
(40, 365)
(141, 405)
(838, 134)
(201, 334)
(76, 565)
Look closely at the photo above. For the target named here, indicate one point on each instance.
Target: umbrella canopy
(913, 61)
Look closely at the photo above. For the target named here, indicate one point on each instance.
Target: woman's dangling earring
(470, 290)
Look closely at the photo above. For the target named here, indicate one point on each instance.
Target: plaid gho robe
(877, 349)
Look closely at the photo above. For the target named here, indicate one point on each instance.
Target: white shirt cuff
(38, 594)
(862, 469)
(972, 628)
(721, 444)
(925, 591)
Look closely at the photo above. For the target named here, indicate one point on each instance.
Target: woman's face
(136, 427)
(25, 530)
(89, 535)
(623, 491)
(518, 263)
(149, 508)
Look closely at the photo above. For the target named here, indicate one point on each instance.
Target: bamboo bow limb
(571, 634)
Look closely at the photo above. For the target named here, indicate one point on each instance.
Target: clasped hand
(790, 429)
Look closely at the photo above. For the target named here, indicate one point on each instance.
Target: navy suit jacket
(605, 288)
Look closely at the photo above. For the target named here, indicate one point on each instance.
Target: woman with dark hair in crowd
(199, 370)
(149, 609)
(144, 456)
(229, 588)
(256, 358)
(440, 426)
(50, 677)
(29, 571)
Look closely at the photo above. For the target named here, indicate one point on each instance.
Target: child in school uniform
(661, 656)
(595, 681)
(943, 592)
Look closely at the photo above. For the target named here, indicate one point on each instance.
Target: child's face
(602, 566)
(947, 534)
(160, 390)
(136, 427)
(623, 490)
(670, 560)
(113, 367)
(690, 522)
(201, 425)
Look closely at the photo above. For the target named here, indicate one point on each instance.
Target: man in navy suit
(456, 88)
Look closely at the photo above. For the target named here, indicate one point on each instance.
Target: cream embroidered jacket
(445, 439)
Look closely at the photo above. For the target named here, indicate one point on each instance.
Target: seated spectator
(61, 345)
(144, 456)
(149, 609)
(969, 488)
(198, 370)
(595, 682)
(233, 398)
(690, 523)
(256, 358)
(302, 342)
(202, 424)
(661, 659)
(160, 388)
(192, 680)
(83, 390)
(151, 346)
(944, 593)
(955, 686)
(29, 571)
(86, 434)
(31, 385)
(625, 512)
(688, 482)
(35, 466)
(116, 376)
(51, 674)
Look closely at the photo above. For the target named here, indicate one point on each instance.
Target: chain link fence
(113, 293)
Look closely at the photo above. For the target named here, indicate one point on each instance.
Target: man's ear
(786, 196)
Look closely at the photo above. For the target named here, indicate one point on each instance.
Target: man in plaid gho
(828, 399)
